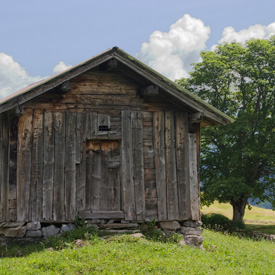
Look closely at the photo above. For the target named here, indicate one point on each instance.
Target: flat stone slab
(11, 224)
(191, 231)
(33, 226)
(169, 225)
(11, 232)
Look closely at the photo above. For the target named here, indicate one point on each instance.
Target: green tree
(238, 160)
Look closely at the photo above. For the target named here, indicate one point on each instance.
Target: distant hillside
(257, 202)
(255, 215)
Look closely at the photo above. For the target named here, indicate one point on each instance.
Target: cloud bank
(14, 77)
(171, 53)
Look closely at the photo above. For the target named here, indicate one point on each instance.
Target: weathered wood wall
(101, 151)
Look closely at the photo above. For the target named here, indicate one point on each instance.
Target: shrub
(220, 222)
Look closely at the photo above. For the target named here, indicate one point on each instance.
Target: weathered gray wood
(36, 187)
(160, 163)
(93, 175)
(81, 161)
(92, 125)
(128, 196)
(196, 117)
(5, 166)
(182, 152)
(118, 225)
(110, 176)
(59, 163)
(1, 167)
(24, 164)
(48, 175)
(149, 91)
(138, 163)
(171, 173)
(66, 86)
(101, 215)
(70, 167)
(194, 184)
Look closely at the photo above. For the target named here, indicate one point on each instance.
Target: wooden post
(24, 165)
(160, 163)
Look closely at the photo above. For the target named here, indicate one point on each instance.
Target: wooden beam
(195, 117)
(66, 86)
(101, 215)
(149, 91)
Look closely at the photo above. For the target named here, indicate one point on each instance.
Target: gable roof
(169, 88)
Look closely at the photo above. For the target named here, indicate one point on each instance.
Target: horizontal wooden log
(118, 225)
(149, 91)
(101, 215)
(196, 117)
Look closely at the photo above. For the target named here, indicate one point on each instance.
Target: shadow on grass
(20, 248)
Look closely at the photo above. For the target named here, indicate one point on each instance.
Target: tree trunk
(239, 209)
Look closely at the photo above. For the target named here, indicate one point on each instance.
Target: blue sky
(39, 38)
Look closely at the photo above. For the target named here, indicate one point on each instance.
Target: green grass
(223, 254)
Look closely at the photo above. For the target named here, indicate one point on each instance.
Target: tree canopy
(238, 160)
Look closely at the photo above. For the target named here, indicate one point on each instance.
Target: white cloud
(13, 77)
(172, 53)
(60, 67)
(257, 31)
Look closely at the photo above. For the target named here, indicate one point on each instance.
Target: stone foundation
(190, 230)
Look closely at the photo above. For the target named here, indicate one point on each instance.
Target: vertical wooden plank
(48, 175)
(128, 196)
(24, 164)
(182, 152)
(114, 176)
(92, 125)
(59, 166)
(13, 168)
(70, 167)
(160, 163)
(194, 184)
(36, 186)
(93, 176)
(138, 164)
(171, 173)
(81, 161)
(1, 167)
(5, 166)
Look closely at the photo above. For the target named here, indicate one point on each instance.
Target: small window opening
(103, 128)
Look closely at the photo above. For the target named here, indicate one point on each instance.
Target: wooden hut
(107, 139)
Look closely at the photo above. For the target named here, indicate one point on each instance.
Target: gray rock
(191, 231)
(193, 240)
(33, 226)
(17, 232)
(67, 227)
(12, 224)
(33, 234)
(170, 225)
(50, 231)
(192, 223)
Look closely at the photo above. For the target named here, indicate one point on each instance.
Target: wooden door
(103, 178)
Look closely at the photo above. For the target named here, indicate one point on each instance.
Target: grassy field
(223, 254)
(256, 215)
(257, 219)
